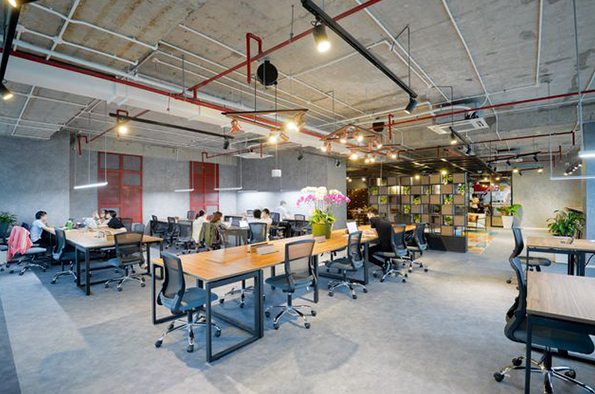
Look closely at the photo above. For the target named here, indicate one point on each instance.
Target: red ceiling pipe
(78, 141)
(283, 44)
(248, 54)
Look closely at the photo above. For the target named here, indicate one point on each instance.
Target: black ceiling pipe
(13, 20)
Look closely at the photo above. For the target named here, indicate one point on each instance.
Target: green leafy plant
(566, 223)
(447, 200)
(374, 191)
(383, 200)
(427, 191)
(416, 200)
(416, 218)
(406, 209)
(461, 189)
(406, 189)
(448, 220)
(320, 216)
(436, 208)
(510, 210)
(7, 217)
(447, 179)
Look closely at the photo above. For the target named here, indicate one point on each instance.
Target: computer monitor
(352, 227)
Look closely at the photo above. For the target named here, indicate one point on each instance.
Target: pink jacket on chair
(18, 242)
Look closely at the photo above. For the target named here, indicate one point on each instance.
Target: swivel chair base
(188, 325)
(130, 276)
(390, 269)
(332, 286)
(290, 309)
(31, 261)
(69, 271)
(242, 292)
(544, 366)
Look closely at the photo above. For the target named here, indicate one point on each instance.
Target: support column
(589, 166)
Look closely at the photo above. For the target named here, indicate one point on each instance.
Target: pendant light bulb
(321, 38)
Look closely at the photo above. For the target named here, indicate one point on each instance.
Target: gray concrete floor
(442, 332)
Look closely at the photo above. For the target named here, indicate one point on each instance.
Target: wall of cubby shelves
(439, 200)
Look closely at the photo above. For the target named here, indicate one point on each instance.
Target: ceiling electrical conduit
(284, 44)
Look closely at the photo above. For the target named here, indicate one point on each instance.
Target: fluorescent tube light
(183, 190)
(90, 185)
(227, 189)
(587, 154)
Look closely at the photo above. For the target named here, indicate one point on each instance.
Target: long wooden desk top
(583, 245)
(88, 240)
(563, 297)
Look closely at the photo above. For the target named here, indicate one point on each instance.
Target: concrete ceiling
(492, 51)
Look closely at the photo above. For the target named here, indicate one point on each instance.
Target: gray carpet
(440, 332)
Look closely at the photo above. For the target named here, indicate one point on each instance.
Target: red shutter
(204, 178)
(124, 191)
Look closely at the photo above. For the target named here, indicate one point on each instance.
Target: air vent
(253, 155)
(461, 126)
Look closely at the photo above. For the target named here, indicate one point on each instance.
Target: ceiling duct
(443, 125)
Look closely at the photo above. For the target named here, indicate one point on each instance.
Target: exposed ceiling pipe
(284, 44)
(58, 39)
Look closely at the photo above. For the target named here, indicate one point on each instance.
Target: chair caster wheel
(406, 275)
(218, 333)
(571, 374)
(106, 285)
(365, 290)
(354, 297)
(374, 275)
(276, 326)
(222, 300)
(267, 314)
(43, 270)
(273, 288)
(242, 305)
(425, 270)
(330, 294)
(53, 281)
(307, 325)
(410, 270)
(119, 288)
(142, 284)
(190, 348)
(158, 343)
(381, 280)
(328, 286)
(21, 273)
(517, 361)
(508, 281)
(404, 280)
(313, 313)
(498, 377)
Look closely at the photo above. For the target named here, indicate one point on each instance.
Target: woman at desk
(114, 221)
(201, 218)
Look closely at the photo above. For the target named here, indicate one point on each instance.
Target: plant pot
(322, 229)
(507, 221)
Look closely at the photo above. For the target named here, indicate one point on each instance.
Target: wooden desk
(554, 300)
(575, 250)
(87, 241)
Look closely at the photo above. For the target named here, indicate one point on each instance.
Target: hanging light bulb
(360, 138)
(363, 179)
(353, 156)
(122, 128)
(540, 170)
(393, 156)
(367, 160)
(324, 148)
(378, 144)
(321, 38)
(343, 139)
(372, 159)
(516, 170)
(453, 139)
(272, 139)
(6, 94)
(444, 172)
(417, 176)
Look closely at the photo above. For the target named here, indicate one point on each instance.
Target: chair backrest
(154, 223)
(398, 240)
(129, 247)
(3, 231)
(174, 285)
(299, 216)
(298, 260)
(138, 228)
(171, 221)
(185, 230)
(420, 236)
(354, 250)
(519, 245)
(517, 312)
(26, 226)
(275, 217)
(60, 244)
(127, 222)
(258, 232)
(190, 215)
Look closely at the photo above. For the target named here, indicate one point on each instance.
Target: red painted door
(124, 191)
(204, 178)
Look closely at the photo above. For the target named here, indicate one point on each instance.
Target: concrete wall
(540, 196)
(35, 176)
(82, 201)
(589, 164)
(160, 178)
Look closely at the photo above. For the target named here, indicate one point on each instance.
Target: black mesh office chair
(399, 252)
(420, 244)
(4, 232)
(129, 251)
(184, 239)
(533, 262)
(351, 263)
(156, 229)
(127, 222)
(300, 226)
(274, 228)
(172, 231)
(178, 299)
(190, 215)
(298, 274)
(138, 228)
(63, 254)
(546, 337)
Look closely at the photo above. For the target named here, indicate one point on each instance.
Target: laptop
(243, 223)
(352, 227)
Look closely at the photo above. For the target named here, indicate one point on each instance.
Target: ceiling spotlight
(453, 139)
(443, 172)
(411, 106)
(337, 163)
(417, 176)
(349, 180)
(516, 170)
(367, 160)
(360, 138)
(272, 139)
(6, 94)
(17, 3)
(291, 125)
(321, 38)
(343, 139)
(363, 179)
(540, 170)
(122, 128)
(324, 148)
(497, 178)
(393, 156)
(353, 156)
(372, 159)
(300, 156)
(226, 144)
(378, 144)
(535, 158)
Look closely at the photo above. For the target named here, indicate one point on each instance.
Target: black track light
(337, 163)
(535, 158)
(226, 144)
(411, 106)
(300, 156)
(453, 139)
(6, 94)
(320, 37)
(507, 162)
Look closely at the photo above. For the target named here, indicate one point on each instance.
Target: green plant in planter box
(7, 217)
(436, 208)
(447, 200)
(448, 220)
(416, 218)
(406, 189)
(446, 179)
(510, 210)
(416, 200)
(461, 189)
(566, 223)
(406, 209)
(374, 191)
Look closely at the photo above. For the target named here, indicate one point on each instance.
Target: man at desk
(384, 230)
(41, 233)
(114, 221)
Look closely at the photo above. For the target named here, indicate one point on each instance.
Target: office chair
(127, 222)
(257, 233)
(533, 262)
(3, 232)
(419, 246)
(274, 228)
(211, 236)
(178, 299)
(351, 263)
(184, 239)
(298, 274)
(155, 228)
(61, 254)
(129, 251)
(190, 215)
(299, 225)
(399, 251)
(138, 228)
(547, 337)
(172, 231)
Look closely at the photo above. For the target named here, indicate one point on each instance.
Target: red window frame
(204, 178)
(125, 193)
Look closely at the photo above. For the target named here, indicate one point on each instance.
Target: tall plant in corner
(507, 213)
(566, 223)
(322, 200)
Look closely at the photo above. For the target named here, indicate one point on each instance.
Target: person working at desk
(201, 218)
(114, 221)
(41, 233)
(101, 218)
(384, 230)
(283, 210)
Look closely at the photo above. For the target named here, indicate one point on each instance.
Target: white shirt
(197, 228)
(36, 230)
(283, 212)
(268, 221)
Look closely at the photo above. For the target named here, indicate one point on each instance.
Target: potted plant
(507, 213)
(322, 200)
(566, 223)
(447, 220)
(406, 189)
(447, 200)
(416, 200)
(406, 209)
(7, 217)
(461, 189)
(416, 218)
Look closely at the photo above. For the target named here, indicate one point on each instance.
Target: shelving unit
(440, 201)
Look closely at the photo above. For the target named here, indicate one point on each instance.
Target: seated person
(199, 220)
(41, 233)
(266, 217)
(114, 221)
(217, 219)
(101, 218)
(384, 230)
